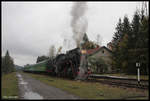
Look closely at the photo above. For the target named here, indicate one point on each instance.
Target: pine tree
(7, 63)
(144, 35)
(85, 38)
(143, 44)
(120, 44)
(115, 43)
(124, 45)
(126, 26)
(118, 34)
(135, 30)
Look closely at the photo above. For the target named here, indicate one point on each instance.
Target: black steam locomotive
(65, 65)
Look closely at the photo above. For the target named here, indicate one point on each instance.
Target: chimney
(109, 45)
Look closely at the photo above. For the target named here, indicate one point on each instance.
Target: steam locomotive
(63, 65)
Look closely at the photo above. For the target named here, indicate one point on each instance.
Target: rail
(119, 81)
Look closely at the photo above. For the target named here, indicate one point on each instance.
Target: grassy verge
(91, 90)
(9, 86)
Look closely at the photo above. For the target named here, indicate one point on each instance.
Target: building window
(103, 51)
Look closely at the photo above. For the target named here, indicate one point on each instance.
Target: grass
(144, 77)
(89, 90)
(9, 86)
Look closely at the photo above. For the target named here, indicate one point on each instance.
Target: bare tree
(99, 39)
(145, 7)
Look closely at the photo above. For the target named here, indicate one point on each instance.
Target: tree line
(130, 44)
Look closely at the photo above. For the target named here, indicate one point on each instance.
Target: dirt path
(31, 88)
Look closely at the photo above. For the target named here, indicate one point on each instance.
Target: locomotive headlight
(83, 51)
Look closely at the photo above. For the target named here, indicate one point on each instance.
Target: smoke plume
(79, 22)
(79, 26)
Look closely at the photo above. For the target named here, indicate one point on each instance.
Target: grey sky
(30, 28)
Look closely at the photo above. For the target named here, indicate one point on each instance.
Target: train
(63, 65)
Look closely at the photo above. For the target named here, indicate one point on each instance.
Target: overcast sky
(30, 28)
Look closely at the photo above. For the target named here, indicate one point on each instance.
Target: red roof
(90, 51)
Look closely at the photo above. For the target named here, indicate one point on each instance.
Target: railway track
(122, 82)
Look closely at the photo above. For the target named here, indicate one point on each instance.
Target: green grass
(90, 90)
(144, 77)
(9, 86)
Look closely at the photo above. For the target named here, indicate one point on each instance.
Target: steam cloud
(79, 22)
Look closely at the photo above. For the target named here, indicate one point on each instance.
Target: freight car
(63, 65)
